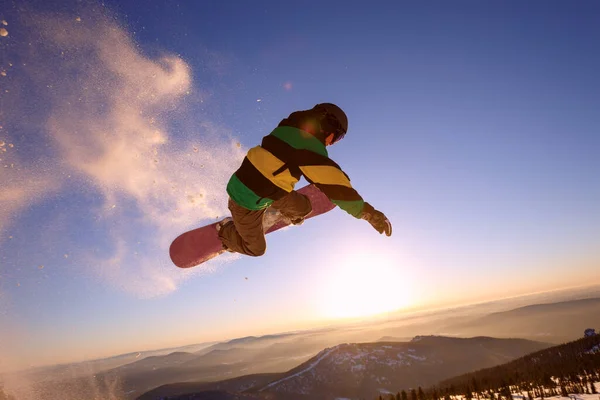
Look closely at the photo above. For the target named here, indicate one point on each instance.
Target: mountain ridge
(351, 370)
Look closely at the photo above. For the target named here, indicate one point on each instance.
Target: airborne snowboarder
(269, 172)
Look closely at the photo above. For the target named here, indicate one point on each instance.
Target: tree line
(570, 368)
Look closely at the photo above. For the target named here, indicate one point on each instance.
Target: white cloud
(110, 124)
(21, 188)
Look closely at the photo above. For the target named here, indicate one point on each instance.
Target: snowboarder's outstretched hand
(377, 219)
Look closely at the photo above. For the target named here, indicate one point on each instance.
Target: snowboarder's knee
(256, 247)
(256, 252)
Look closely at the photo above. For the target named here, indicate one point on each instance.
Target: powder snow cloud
(105, 119)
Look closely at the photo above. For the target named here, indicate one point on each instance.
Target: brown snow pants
(246, 235)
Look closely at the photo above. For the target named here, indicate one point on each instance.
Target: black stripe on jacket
(339, 192)
(293, 157)
(257, 182)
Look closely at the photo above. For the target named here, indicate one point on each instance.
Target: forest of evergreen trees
(570, 368)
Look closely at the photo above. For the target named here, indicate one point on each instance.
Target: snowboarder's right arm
(335, 184)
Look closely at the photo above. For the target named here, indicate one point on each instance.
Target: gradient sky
(474, 127)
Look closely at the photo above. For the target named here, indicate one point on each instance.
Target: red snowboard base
(200, 245)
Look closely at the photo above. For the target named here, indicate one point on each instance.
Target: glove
(377, 219)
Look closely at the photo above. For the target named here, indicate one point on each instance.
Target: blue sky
(473, 126)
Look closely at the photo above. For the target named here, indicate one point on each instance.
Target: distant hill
(359, 370)
(233, 355)
(553, 322)
(155, 362)
(227, 360)
(573, 359)
(247, 342)
(221, 388)
(393, 339)
(258, 339)
(534, 322)
(89, 368)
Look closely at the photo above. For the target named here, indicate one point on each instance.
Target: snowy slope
(310, 366)
(359, 370)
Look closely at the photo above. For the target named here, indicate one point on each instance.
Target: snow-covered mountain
(357, 370)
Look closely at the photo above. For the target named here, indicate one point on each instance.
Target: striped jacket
(271, 170)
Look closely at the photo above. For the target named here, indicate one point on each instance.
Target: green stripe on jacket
(353, 208)
(300, 139)
(245, 197)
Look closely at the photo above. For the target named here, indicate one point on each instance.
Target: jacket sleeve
(335, 184)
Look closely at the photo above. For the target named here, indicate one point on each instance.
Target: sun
(365, 284)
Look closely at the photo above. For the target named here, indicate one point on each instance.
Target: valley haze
(528, 321)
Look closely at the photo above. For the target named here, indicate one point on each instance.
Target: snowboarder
(269, 172)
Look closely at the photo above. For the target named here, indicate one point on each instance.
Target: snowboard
(194, 247)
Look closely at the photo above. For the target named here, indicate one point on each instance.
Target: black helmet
(335, 120)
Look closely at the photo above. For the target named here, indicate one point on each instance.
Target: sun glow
(365, 284)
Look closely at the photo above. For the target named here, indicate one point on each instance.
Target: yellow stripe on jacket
(326, 175)
(267, 163)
